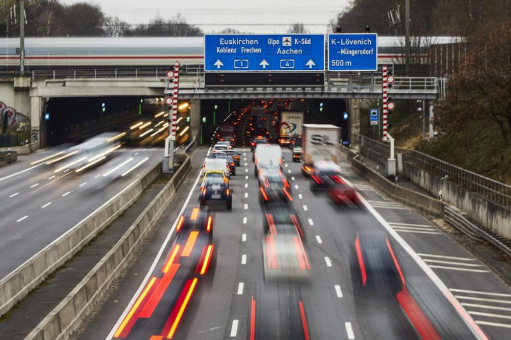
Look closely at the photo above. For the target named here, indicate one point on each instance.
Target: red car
(342, 192)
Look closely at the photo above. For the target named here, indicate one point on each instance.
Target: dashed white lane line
(52, 177)
(246, 177)
(300, 196)
(246, 185)
(243, 259)
(318, 238)
(234, 328)
(349, 331)
(338, 291)
(285, 165)
(241, 285)
(67, 193)
(33, 186)
(245, 158)
(246, 194)
(246, 170)
(328, 261)
(21, 219)
(246, 164)
(244, 238)
(311, 222)
(83, 184)
(16, 194)
(246, 206)
(289, 171)
(245, 220)
(44, 206)
(305, 208)
(292, 178)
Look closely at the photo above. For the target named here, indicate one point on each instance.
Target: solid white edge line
(20, 172)
(151, 269)
(234, 328)
(462, 312)
(241, 285)
(338, 291)
(349, 330)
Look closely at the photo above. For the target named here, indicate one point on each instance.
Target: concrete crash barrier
(68, 315)
(7, 157)
(22, 150)
(30, 274)
(400, 194)
(490, 215)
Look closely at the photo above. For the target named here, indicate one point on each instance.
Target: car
(323, 171)
(215, 187)
(236, 156)
(221, 147)
(284, 141)
(282, 218)
(297, 153)
(256, 141)
(273, 187)
(196, 218)
(342, 192)
(230, 161)
(285, 258)
(295, 140)
(227, 140)
(220, 164)
(266, 155)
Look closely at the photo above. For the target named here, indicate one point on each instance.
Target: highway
(381, 271)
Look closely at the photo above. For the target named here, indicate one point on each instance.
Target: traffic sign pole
(168, 165)
(384, 92)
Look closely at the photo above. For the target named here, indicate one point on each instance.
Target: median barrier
(70, 312)
(30, 274)
(400, 194)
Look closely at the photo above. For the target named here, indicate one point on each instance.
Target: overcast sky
(258, 16)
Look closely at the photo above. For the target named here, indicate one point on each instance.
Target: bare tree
(84, 19)
(297, 27)
(115, 27)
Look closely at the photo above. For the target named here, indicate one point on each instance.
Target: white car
(216, 164)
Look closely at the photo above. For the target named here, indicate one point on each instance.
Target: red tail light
(263, 193)
(180, 223)
(210, 222)
(317, 179)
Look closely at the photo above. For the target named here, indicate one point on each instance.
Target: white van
(216, 164)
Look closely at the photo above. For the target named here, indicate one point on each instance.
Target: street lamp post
(22, 37)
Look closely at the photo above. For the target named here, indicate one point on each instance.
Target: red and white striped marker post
(174, 102)
(385, 90)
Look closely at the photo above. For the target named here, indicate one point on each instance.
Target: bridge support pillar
(36, 111)
(195, 120)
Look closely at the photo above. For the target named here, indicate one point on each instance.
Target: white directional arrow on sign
(310, 63)
(264, 63)
(218, 64)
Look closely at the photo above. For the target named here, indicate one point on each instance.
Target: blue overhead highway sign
(273, 52)
(353, 52)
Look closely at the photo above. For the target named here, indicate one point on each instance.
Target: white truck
(290, 124)
(319, 143)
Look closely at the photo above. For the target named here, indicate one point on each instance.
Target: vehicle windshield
(213, 178)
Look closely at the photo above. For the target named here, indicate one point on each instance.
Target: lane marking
(328, 262)
(44, 206)
(246, 170)
(243, 259)
(245, 158)
(17, 173)
(338, 291)
(296, 186)
(478, 292)
(244, 238)
(305, 208)
(481, 299)
(244, 220)
(16, 194)
(413, 228)
(246, 185)
(461, 269)
(490, 315)
(33, 186)
(21, 219)
(411, 225)
(246, 164)
(418, 232)
(67, 193)
(300, 196)
(318, 238)
(454, 263)
(246, 194)
(485, 306)
(289, 171)
(240, 288)
(492, 324)
(246, 206)
(51, 177)
(292, 178)
(349, 330)
(83, 184)
(285, 165)
(246, 177)
(311, 222)
(234, 328)
(446, 257)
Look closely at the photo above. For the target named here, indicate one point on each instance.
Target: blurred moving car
(281, 218)
(215, 187)
(236, 156)
(216, 164)
(258, 140)
(342, 192)
(297, 153)
(322, 172)
(273, 186)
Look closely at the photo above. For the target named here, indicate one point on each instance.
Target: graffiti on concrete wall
(35, 135)
(14, 118)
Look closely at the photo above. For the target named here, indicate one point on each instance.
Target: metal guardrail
(487, 187)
